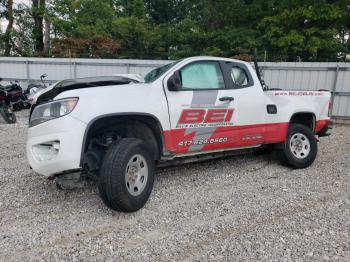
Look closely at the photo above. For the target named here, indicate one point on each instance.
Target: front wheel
(127, 175)
(8, 115)
(300, 149)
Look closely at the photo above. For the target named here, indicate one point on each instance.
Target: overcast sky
(21, 1)
(3, 23)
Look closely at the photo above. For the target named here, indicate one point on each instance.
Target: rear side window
(202, 75)
(239, 75)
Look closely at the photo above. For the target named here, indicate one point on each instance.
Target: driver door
(197, 110)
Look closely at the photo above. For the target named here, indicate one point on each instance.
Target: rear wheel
(8, 115)
(300, 149)
(126, 176)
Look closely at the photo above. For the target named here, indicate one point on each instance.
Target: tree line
(282, 30)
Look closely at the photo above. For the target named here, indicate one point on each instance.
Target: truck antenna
(258, 70)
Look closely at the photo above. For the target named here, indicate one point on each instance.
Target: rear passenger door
(247, 127)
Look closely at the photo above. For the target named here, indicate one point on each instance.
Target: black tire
(112, 184)
(288, 156)
(17, 107)
(26, 105)
(8, 115)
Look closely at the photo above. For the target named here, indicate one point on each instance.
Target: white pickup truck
(120, 129)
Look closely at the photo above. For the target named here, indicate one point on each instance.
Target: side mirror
(174, 82)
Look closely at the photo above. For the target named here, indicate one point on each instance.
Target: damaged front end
(51, 151)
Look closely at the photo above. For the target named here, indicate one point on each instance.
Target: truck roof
(198, 58)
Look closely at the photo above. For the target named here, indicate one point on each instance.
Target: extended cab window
(202, 75)
(240, 75)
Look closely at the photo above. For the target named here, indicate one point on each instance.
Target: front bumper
(54, 147)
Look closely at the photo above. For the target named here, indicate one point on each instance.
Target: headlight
(52, 110)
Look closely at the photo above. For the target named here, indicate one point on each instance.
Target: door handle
(226, 98)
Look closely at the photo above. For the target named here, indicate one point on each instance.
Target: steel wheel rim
(8, 111)
(300, 146)
(136, 175)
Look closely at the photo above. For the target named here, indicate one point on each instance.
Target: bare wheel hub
(136, 175)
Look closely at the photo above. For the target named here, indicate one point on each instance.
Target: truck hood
(137, 77)
(88, 82)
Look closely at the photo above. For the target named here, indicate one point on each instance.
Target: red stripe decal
(227, 137)
(231, 137)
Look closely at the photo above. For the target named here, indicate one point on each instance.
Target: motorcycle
(16, 96)
(6, 110)
(33, 90)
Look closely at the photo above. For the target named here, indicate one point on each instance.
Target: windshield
(158, 72)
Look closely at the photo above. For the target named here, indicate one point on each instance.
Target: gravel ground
(241, 208)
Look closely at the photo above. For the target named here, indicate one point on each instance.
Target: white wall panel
(293, 76)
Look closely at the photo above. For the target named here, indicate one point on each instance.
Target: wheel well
(104, 131)
(306, 119)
